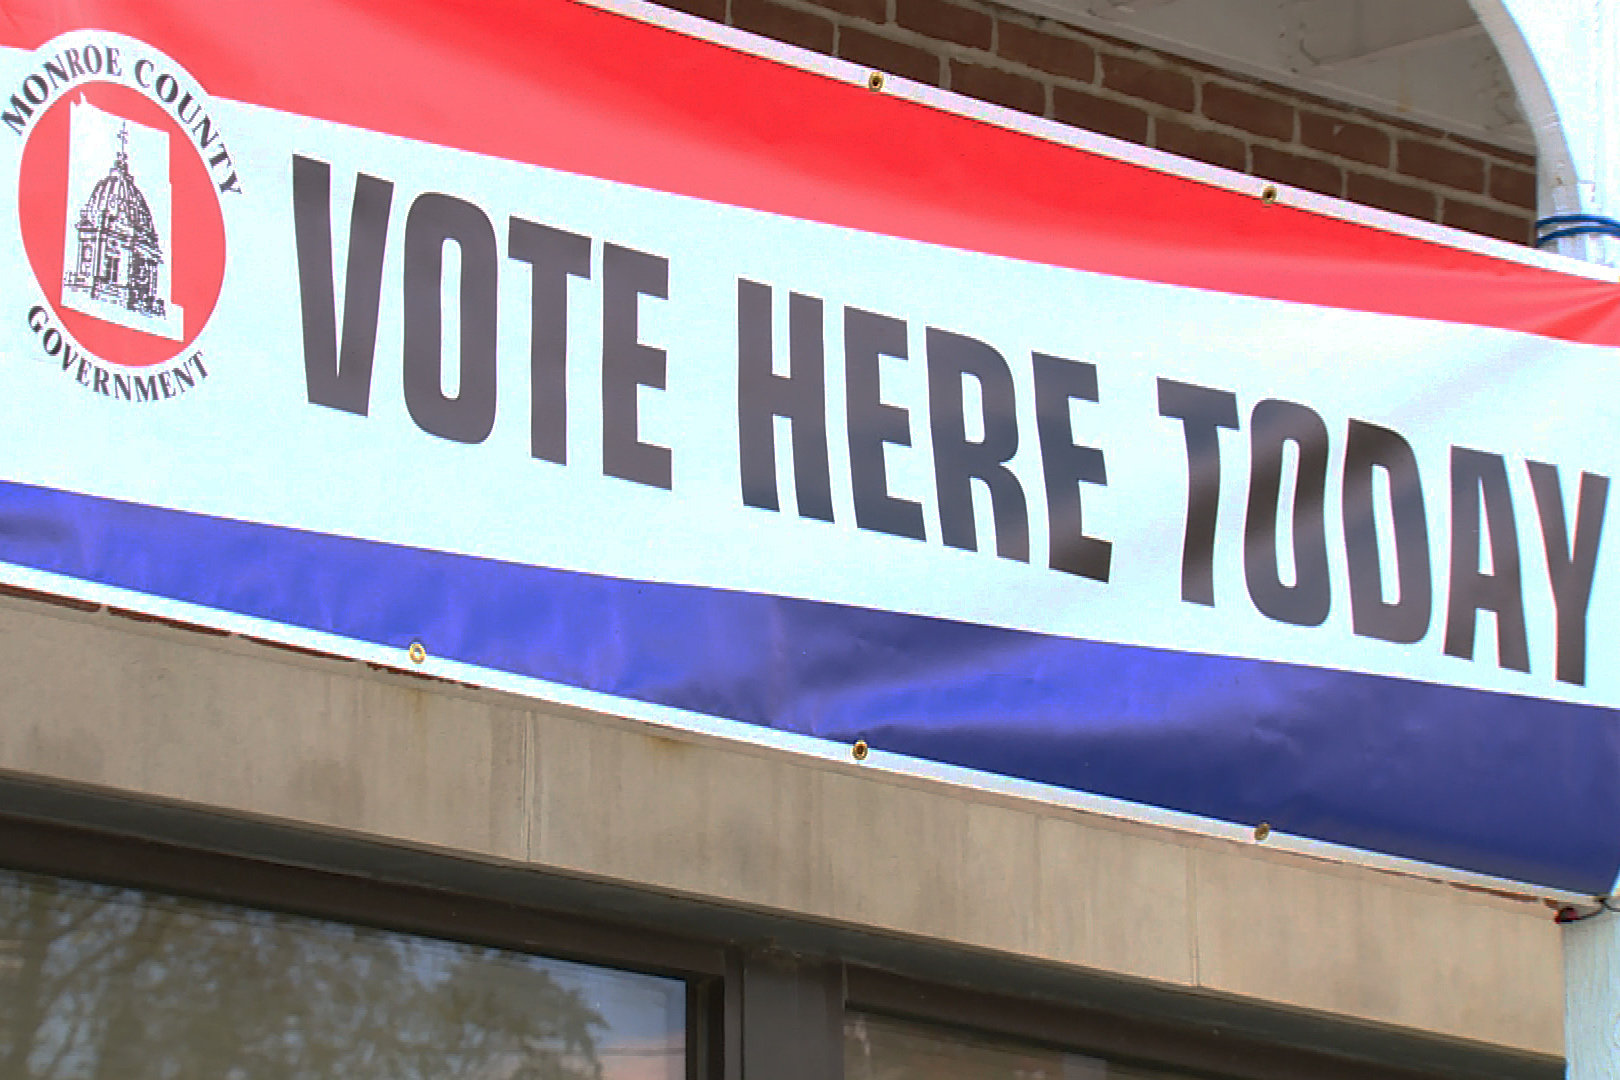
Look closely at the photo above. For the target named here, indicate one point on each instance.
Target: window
(883, 1048)
(99, 981)
(413, 966)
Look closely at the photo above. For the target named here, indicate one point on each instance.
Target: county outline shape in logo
(120, 186)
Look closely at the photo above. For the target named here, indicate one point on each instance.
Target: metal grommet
(417, 652)
(859, 750)
(874, 81)
(1269, 195)
(1262, 830)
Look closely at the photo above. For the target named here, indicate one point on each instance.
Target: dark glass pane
(881, 1048)
(98, 982)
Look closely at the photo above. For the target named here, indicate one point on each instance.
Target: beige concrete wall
(233, 726)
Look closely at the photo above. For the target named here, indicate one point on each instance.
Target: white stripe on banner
(1120, 393)
(250, 446)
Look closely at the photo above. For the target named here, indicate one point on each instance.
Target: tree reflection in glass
(99, 982)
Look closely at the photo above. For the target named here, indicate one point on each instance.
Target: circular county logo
(119, 201)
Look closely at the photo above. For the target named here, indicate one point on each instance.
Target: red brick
(998, 87)
(1120, 119)
(1501, 153)
(1312, 174)
(1440, 164)
(1389, 195)
(1394, 121)
(870, 10)
(1250, 112)
(1298, 97)
(1149, 82)
(783, 24)
(1344, 138)
(1479, 219)
(1051, 53)
(714, 10)
(1516, 187)
(945, 22)
(1183, 63)
(896, 57)
(876, 11)
(1200, 145)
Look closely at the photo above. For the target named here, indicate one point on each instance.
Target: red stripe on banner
(556, 83)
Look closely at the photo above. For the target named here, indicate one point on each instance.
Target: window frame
(102, 858)
(1210, 1050)
(763, 1001)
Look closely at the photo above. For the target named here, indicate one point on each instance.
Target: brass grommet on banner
(417, 652)
(1269, 195)
(874, 81)
(859, 750)
(1261, 831)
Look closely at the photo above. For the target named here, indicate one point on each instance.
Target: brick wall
(1144, 96)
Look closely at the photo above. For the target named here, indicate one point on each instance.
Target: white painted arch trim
(1564, 59)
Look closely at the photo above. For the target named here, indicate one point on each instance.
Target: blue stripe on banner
(1515, 787)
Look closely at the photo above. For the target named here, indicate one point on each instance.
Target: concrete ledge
(231, 727)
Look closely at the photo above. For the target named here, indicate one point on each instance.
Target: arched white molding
(1564, 59)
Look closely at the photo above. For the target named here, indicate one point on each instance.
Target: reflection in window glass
(98, 982)
(881, 1048)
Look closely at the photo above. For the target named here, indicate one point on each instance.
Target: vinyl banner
(570, 350)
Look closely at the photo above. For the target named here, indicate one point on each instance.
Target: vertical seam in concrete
(1195, 922)
(528, 785)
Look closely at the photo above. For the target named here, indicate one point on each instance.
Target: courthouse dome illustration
(118, 251)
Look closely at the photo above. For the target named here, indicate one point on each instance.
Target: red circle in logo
(193, 267)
